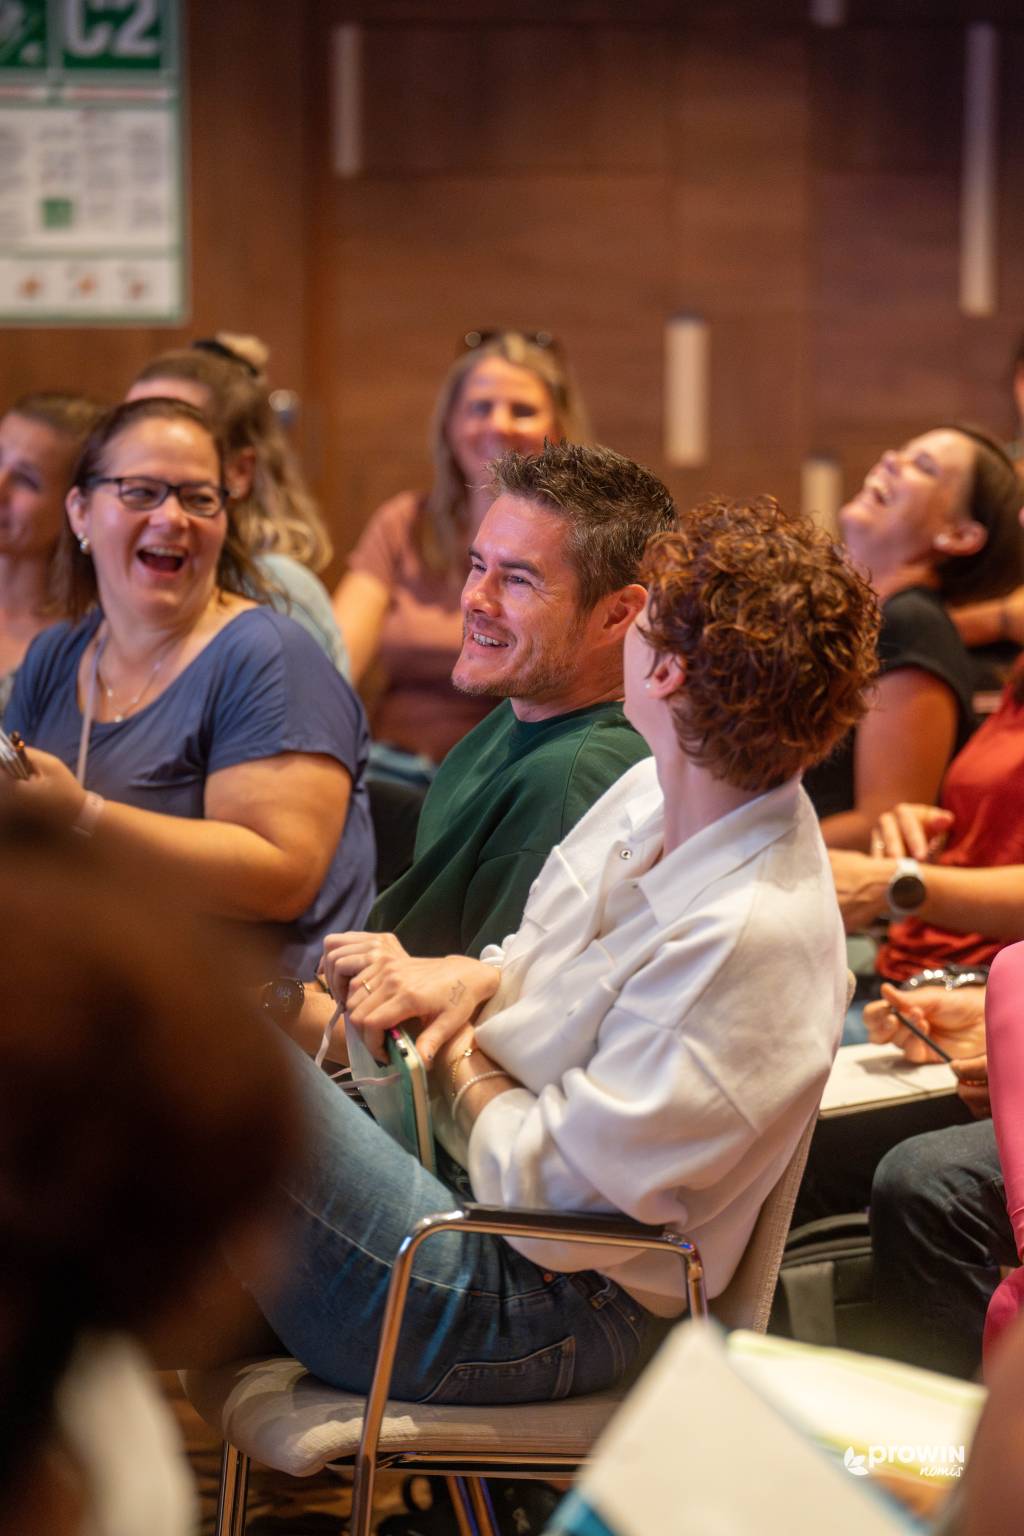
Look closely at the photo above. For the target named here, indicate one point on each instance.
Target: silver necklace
(124, 709)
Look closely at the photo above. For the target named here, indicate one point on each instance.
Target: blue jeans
(939, 1233)
(482, 1324)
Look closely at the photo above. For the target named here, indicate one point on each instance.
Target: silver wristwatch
(906, 889)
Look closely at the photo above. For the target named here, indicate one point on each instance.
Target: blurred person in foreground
(144, 1074)
(654, 1037)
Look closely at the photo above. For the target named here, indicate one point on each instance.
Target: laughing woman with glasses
(174, 714)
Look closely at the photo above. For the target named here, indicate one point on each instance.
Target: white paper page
(878, 1074)
(696, 1448)
(843, 1399)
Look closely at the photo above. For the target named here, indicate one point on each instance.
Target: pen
(916, 1030)
(18, 743)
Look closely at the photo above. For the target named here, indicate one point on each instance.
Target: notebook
(878, 1076)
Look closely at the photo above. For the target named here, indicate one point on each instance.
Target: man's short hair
(776, 631)
(611, 507)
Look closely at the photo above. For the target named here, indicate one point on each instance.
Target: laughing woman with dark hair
(610, 1055)
(175, 714)
(935, 523)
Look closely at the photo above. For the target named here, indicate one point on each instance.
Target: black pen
(915, 1029)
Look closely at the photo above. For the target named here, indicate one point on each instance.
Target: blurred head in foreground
(143, 1110)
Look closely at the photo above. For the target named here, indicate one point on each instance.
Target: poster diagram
(91, 185)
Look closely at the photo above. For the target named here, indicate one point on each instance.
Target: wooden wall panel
(246, 75)
(739, 250)
(892, 354)
(513, 100)
(421, 261)
(600, 170)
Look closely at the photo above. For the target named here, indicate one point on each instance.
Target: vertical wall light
(828, 13)
(347, 104)
(687, 357)
(978, 184)
(821, 491)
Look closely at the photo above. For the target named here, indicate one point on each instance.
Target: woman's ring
(366, 984)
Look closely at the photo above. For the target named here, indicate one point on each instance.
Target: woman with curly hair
(655, 1036)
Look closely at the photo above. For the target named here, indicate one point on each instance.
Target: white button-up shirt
(672, 1021)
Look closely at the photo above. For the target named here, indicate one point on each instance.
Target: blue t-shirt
(261, 686)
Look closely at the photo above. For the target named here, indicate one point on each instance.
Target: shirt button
(626, 853)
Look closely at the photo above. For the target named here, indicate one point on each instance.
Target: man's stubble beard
(547, 677)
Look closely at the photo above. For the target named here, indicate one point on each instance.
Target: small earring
(84, 545)
(647, 685)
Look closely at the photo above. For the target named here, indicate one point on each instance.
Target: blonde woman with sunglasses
(398, 604)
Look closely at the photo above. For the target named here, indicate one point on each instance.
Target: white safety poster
(92, 217)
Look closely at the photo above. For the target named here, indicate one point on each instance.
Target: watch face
(283, 998)
(907, 892)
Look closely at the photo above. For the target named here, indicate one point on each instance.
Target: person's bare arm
(902, 748)
(360, 603)
(998, 618)
(263, 848)
(307, 1030)
(987, 901)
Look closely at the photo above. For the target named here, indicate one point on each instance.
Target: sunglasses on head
(544, 339)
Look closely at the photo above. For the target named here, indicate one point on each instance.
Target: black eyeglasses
(473, 339)
(140, 493)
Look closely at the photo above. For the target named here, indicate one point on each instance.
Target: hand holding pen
(929, 1022)
(14, 760)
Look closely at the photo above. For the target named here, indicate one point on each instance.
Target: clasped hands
(382, 985)
(862, 880)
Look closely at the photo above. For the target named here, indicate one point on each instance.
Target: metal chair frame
(745, 1302)
(613, 1231)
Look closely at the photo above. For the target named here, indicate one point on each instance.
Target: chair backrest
(746, 1301)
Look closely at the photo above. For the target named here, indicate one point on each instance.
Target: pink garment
(419, 710)
(1004, 1033)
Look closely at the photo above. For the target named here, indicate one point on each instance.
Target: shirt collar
(677, 880)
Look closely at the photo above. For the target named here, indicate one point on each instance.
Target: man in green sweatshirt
(551, 592)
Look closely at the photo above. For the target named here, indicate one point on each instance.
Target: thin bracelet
(89, 815)
(481, 1077)
(1004, 622)
(456, 1064)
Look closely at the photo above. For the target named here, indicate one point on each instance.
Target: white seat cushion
(277, 1413)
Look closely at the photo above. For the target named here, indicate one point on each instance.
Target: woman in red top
(952, 874)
